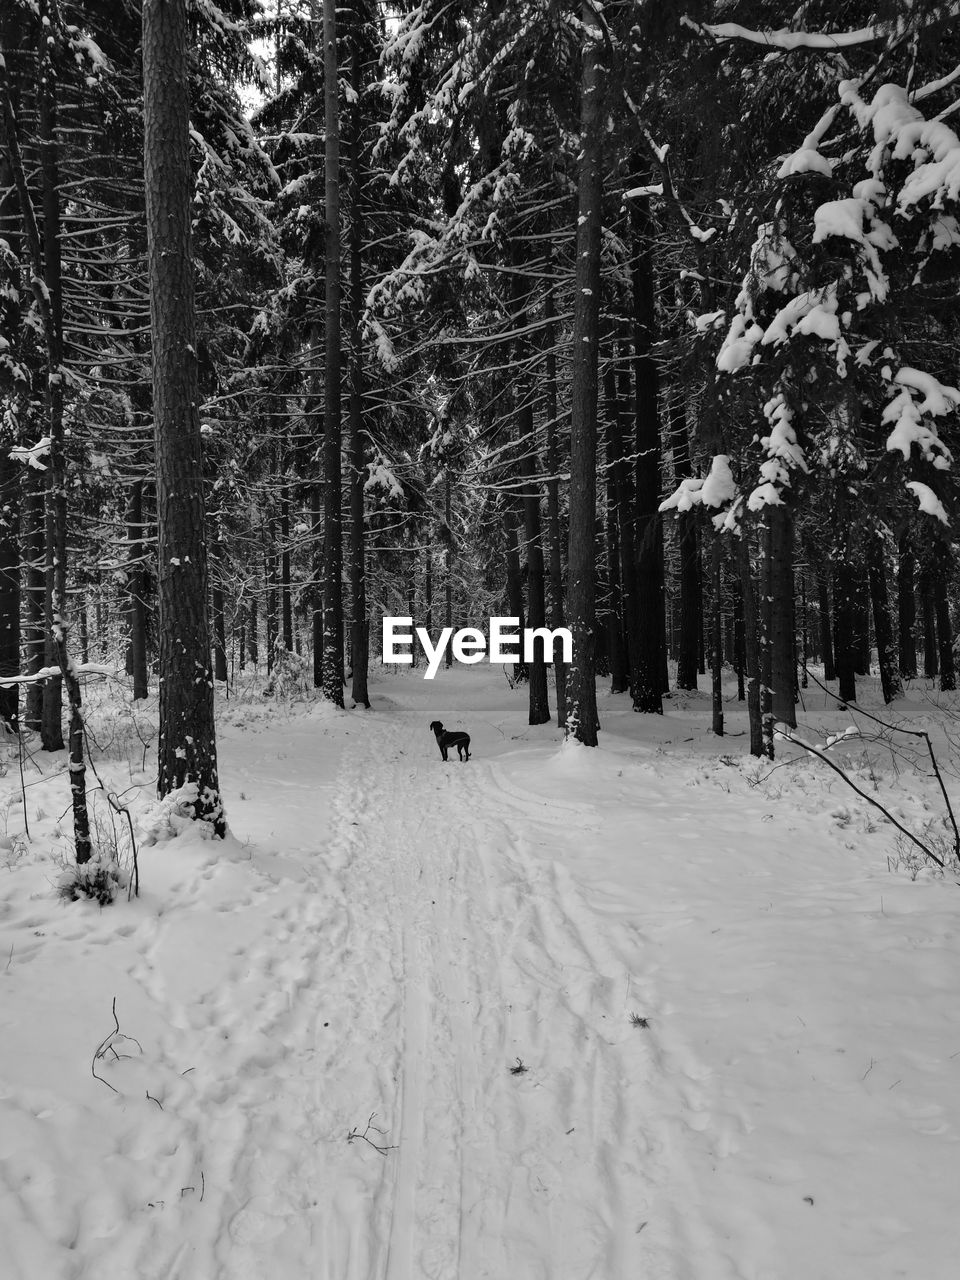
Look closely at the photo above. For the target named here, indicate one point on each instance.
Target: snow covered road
(551, 1015)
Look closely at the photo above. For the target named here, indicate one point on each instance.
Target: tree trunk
(514, 578)
(861, 624)
(941, 604)
(553, 502)
(187, 747)
(34, 644)
(9, 587)
(783, 657)
(907, 610)
(647, 693)
(624, 641)
(9, 470)
(539, 706)
(136, 580)
(751, 656)
(844, 604)
(582, 723)
(687, 644)
(765, 620)
(359, 626)
(81, 611)
(890, 680)
(286, 593)
(253, 646)
(931, 667)
(717, 657)
(332, 526)
(739, 642)
(826, 628)
(55, 540)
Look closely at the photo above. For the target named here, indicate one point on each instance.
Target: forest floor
(657, 1011)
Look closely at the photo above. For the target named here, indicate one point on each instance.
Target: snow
(737, 1023)
(737, 348)
(805, 160)
(839, 218)
(906, 413)
(930, 504)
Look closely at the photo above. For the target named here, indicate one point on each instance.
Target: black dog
(447, 739)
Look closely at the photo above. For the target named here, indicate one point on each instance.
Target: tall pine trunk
(844, 606)
(782, 639)
(9, 470)
(582, 721)
(751, 653)
(907, 609)
(136, 586)
(649, 544)
(687, 550)
(557, 612)
(539, 706)
(332, 524)
(890, 680)
(826, 625)
(187, 748)
(359, 626)
(55, 538)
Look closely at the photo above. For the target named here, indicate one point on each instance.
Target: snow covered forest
(635, 318)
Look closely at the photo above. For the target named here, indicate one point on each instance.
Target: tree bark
(582, 723)
(826, 627)
(9, 588)
(553, 500)
(844, 604)
(783, 656)
(332, 523)
(136, 587)
(765, 621)
(359, 626)
(931, 665)
(687, 644)
(539, 706)
(751, 655)
(907, 610)
(187, 747)
(9, 470)
(647, 692)
(514, 578)
(55, 539)
(941, 604)
(890, 680)
(716, 673)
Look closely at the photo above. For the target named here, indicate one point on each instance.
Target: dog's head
(436, 726)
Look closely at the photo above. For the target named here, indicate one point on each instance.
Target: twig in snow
(821, 755)
(913, 733)
(383, 1148)
(519, 1069)
(107, 1045)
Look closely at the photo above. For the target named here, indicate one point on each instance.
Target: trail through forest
(554, 1013)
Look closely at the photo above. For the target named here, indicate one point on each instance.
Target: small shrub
(100, 880)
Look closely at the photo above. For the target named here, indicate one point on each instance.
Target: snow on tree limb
(930, 504)
(786, 39)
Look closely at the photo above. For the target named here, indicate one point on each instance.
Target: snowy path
(387, 936)
(426, 952)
